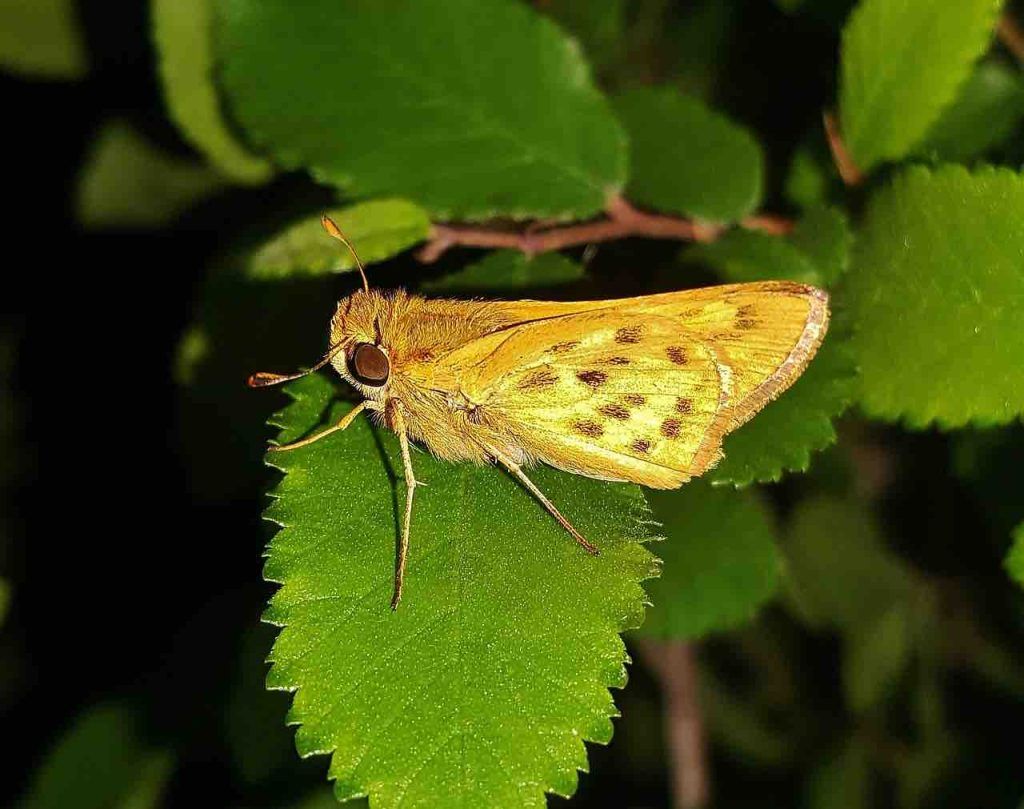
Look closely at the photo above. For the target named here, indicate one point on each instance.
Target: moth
(639, 389)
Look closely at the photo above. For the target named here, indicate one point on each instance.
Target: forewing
(592, 401)
(642, 389)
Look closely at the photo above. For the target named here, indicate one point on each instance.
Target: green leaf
(379, 230)
(823, 235)
(508, 270)
(838, 571)
(782, 437)
(749, 255)
(485, 682)
(986, 112)
(183, 35)
(875, 657)
(128, 182)
(396, 98)
(42, 39)
(807, 181)
(1015, 558)
(936, 293)
(100, 763)
(817, 252)
(902, 63)
(719, 561)
(688, 159)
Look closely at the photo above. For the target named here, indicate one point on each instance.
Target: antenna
(335, 232)
(264, 379)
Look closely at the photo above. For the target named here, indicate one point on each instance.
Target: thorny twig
(622, 220)
(848, 170)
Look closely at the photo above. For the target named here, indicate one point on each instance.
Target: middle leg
(517, 472)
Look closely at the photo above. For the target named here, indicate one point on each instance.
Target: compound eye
(369, 365)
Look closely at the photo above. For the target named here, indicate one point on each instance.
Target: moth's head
(363, 358)
(357, 352)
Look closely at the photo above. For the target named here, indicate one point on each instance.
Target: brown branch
(848, 171)
(1011, 35)
(622, 221)
(675, 665)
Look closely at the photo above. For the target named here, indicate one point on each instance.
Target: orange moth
(638, 389)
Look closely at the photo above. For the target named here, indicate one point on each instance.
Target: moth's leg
(410, 489)
(520, 475)
(345, 421)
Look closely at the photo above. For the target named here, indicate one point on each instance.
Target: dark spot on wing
(561, 348)
(421, 355)
(538, 380)
(591, 429)
(616, 361)
(614, 411)
(634, 400)
(746, 323)
(676, 354)
(593, 378)
(684, 406)
(628, 334)
(670, 428)
(641, 445)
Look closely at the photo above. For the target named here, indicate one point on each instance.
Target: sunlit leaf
(687, 159)
(902, 63)
(936, 295)
(378, 230)
(485, 682)
(404, 99)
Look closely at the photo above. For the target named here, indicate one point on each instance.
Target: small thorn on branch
(848, 171)
(622, 221)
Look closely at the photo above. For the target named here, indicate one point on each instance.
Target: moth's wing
(763, 333)
(762, 336)
(642, 389)
(590, 405)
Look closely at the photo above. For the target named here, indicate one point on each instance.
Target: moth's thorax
(412, 332)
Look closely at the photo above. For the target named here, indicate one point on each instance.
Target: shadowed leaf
(719, 561)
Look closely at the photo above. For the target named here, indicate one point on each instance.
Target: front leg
(345, 421)
(397, 420)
